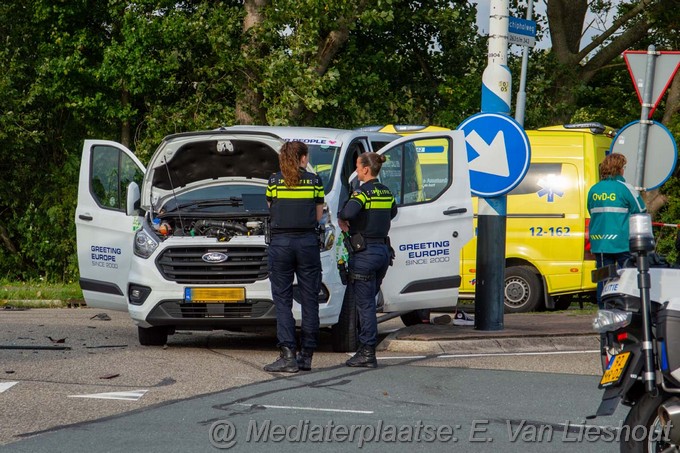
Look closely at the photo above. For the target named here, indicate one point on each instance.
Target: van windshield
(324, 159)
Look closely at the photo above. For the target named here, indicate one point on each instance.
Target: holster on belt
(354, 243)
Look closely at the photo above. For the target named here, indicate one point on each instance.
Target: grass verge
(39, 294)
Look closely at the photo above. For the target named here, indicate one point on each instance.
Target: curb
(500, 345)
(8, 304)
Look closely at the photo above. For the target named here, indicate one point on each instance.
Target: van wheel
(152, 336)
(345, 334)
(416, 317)
(522, 290)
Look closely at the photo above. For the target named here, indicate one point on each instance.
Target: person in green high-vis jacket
(610, 204)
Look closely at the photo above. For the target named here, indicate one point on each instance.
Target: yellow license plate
(214, 295)
(615, 370)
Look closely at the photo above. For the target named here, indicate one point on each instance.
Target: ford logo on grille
(215, 257)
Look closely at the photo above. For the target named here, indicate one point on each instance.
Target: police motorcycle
(640, 333)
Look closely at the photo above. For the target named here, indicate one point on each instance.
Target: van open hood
(184, 159)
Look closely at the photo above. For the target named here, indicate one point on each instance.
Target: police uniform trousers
(367, 270)
(295, 254)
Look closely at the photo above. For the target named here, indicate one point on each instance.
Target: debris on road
(102, 317)
(109, 376)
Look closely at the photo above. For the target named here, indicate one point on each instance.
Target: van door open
(103, 229)
(431, 227)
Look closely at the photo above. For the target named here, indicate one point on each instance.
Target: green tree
(636, 24)
(136, 71)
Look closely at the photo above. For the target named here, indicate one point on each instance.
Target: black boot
(286, 362)
(304, 359)
(365, 357)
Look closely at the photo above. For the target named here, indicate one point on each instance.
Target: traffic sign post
(657, 170)
(491, 212)
(522, 92)
(650, 84)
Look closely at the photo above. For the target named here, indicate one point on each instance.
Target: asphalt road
(175, 395)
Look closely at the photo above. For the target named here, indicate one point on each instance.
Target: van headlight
(611, 320)
(145, 243)
(326, 231)
(328, 240)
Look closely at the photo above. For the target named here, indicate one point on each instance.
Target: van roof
(592, 127)
(295, 132)
(403, 129)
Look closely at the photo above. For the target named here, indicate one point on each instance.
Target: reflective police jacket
(370, 210)
(293, 209)
(610, 203)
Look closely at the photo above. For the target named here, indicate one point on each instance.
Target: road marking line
(126, 396)
(4, 386)
(403, 358)
(307, 408)
(350, 354)
(497, 354)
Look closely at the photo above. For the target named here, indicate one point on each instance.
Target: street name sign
(521, 32)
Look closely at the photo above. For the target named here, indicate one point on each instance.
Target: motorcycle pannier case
(668, 334)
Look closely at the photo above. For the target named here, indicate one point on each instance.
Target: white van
(182, 244)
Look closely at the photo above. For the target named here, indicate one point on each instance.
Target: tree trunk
(328, 49)
(654, 201)
(7, 241)
(249, 101)
(673, 101)
(577, 66)
(566, 20)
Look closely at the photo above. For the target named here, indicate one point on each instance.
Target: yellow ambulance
(548, 259)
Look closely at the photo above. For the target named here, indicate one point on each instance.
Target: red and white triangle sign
(666, 64)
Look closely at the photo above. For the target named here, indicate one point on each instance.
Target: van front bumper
(209, 315)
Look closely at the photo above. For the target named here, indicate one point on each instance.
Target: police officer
(295, 198)
(610, 204)
(367, 216)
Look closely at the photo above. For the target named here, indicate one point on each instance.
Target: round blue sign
(498, 152)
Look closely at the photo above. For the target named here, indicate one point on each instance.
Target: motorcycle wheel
(644, 413)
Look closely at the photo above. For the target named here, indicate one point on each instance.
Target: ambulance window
(111, 172)
(538, 177)
(403, 172)
(550, 189)
(435, 163)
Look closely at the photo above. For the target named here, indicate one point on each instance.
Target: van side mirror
(133, 199)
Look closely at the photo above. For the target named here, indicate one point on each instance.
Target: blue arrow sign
(498, 152)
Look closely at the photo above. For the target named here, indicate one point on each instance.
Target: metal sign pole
(491, 212)
(520, 105)
(644, 117)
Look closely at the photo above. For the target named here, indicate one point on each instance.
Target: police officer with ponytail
(296, 199)
(367, 216)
